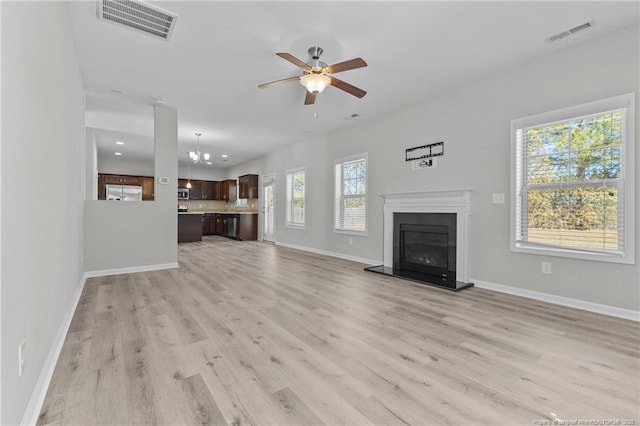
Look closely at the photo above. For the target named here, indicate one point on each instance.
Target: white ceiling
(220, 52)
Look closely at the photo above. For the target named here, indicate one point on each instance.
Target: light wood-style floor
(252, 333)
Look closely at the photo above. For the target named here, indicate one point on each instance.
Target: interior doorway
(269, 208)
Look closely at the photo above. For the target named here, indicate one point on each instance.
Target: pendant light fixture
(198, 157)
(189, 175)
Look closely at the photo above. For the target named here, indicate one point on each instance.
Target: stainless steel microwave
(183, 194)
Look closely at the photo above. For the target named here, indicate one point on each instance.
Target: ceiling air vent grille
(572, 31)
(138, 16)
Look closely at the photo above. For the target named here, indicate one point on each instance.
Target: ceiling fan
(318, 75)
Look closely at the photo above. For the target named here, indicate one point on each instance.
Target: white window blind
(351, 194)
(571, 179)
(296, 197)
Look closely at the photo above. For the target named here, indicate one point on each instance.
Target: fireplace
(425, 244)
(425, 238)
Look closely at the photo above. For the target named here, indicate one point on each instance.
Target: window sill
(351, 232)
(572, 254)
(291, 226)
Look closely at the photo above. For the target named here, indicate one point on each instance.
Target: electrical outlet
(21, 358)
(546, 268)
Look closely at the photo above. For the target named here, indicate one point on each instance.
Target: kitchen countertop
(215, 211)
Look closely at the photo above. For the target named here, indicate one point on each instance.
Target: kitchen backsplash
(249, 205)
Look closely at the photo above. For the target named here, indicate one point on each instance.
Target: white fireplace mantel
(451, 201)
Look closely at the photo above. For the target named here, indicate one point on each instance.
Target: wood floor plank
(254, 333)
(202, 407)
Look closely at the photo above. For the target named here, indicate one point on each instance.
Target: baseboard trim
(130, 270)
(46, 373)
(331, 253)
(561, 300)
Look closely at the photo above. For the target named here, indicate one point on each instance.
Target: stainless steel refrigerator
(124, 193)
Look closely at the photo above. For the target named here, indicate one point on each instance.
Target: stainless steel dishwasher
(232, 226)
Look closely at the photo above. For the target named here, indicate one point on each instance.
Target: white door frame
(267, 180)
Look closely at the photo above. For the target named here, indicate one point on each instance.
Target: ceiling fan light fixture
(315, 83)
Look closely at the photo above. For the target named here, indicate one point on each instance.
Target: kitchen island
(189, 227)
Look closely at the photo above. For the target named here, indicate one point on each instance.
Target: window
(351, 194)
(572, 182)
(295, 198)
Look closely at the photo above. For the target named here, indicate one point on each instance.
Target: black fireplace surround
(424, 249)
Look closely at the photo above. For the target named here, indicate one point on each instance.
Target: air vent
(138, 16)
(572, 31)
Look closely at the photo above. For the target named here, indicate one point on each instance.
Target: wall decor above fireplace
(424, 151)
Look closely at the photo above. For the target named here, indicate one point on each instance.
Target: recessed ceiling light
(209, 163)
(224, 156)
(117, 153)
(119, 143)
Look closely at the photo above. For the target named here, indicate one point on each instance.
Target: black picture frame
(424, 151)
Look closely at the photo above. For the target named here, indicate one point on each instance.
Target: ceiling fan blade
(346, 65)
(309, 98)
(353, 90)
(295, 61)
(275, 83)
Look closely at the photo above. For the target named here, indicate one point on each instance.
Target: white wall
(141, 235)
(91, 163)
(120, 166)
(42, 191)
(0, 214)
(473, 121)
(201, 173)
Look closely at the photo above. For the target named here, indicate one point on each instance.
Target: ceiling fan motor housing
(317, 66)
(315, 52)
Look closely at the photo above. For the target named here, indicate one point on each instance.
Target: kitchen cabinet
(226, 224)
(248, 227)
(195, 192)
(148, 188)
(189, 227)
(182, 183)
(229, 190)
(102, 188)
(248, 186)
(121, 179)
(146, 182)
(238, 226)
(203, 190)
(209, 189)
(208, 224)
(220, 225)
(215, 190)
